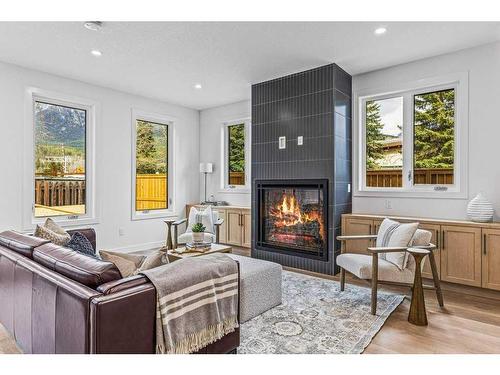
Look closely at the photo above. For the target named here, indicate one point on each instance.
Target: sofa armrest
(122, 284)
(124, 322)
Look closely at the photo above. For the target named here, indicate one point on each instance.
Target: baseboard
(139, 247)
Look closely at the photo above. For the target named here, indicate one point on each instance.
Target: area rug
(316, 317)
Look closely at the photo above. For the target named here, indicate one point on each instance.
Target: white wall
(113, 154)
(211, 121)
(483, 64)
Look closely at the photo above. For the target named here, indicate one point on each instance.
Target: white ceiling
(163, 60)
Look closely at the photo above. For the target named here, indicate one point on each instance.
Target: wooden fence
(394, 177)
(151, 192)
(236, 178)
(53, 192)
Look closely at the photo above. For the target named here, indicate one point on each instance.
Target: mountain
(59, 125)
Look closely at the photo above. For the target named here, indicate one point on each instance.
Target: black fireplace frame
(261, 185)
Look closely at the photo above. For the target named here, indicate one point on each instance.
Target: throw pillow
(205, 217)
(81, 244)
(132, 264)
(47, 234)
(395, 234)
(54, 227)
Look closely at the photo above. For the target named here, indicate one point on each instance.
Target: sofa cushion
(84, 269)
(21, 243)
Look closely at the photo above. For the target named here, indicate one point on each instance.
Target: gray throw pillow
(81, 244)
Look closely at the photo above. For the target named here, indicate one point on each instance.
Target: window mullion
(408, 141)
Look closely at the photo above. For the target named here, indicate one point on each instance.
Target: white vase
(480, 209)
(198, 236)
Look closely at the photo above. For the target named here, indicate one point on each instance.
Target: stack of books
(198, 246)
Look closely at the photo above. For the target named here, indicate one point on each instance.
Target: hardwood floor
(469, 323)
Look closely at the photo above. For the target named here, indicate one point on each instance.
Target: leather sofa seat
(84, 269)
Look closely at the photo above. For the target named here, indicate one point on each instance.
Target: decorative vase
(198, 236)
(480, 209)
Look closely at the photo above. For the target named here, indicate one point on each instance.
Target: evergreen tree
(374, 135)
(237, 148)
(145, 140)
(434, 129)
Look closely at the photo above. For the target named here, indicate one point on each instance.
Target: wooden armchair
(213, 234)
(373, 268)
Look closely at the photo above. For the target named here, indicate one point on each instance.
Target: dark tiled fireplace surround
(316, 105)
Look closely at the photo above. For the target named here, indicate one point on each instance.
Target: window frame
(225, 187)
(459, 189)
(91, 215)
(161, 120)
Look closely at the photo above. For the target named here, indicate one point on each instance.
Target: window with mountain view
(151, 166)
(236, 154)
(384, 142)
(59, 157)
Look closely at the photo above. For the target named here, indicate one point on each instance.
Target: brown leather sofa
(54, 300)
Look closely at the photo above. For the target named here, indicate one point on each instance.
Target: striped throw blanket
(197, 302)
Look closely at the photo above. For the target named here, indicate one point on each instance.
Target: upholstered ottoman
(260, 286)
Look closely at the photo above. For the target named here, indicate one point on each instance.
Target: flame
(289, 213)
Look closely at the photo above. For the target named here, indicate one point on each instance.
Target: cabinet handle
(484, 244)
(370, 229)
(442, 240)
(437, 239)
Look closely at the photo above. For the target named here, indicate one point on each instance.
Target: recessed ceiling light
(197, 86)
(380, 31)
(96, 53)
(93, 25)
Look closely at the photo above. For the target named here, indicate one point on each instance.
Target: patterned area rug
(316, 318)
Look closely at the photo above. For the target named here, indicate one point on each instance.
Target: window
(60, 159)
(151, 166)
(414, 141)
(384, 142)
(59, 152)
(236, 155)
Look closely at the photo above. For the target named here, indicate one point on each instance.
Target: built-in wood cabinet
(491, 259)
(237, 226)
(467, 253)
(461, 254)
(354, 226)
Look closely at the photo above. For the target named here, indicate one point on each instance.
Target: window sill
(154, 215)
(411, 194)
(235, 191)
(65, 223)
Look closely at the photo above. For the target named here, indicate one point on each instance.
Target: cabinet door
(355, 226)
(461, 255)
(491, 259)
(436, 232)
(247, 229)
(233, 229)
(223, 227)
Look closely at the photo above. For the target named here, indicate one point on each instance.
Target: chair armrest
(357, 237)
(179, 222)
(219, 221)
(380, 250)
(430, 247)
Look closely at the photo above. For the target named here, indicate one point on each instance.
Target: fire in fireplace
(293, 217)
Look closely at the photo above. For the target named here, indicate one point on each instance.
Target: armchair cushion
(204, 216)
(395, 234)
(360, 265)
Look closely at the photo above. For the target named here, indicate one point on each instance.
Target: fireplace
(292, 217)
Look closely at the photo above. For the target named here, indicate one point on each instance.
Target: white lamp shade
(206, 167)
